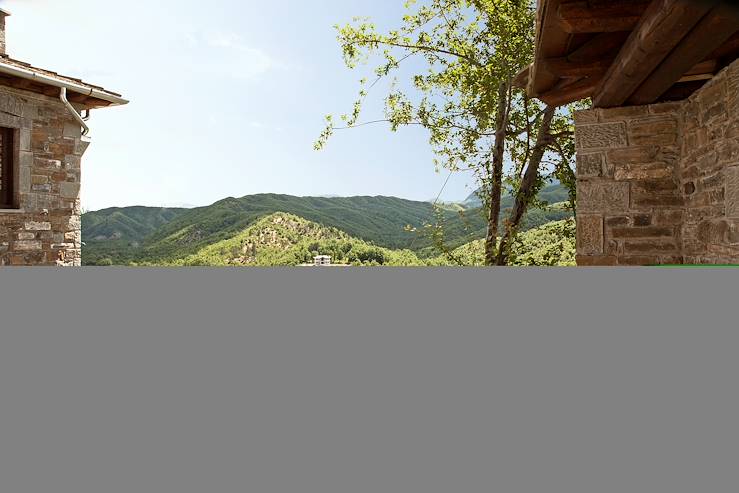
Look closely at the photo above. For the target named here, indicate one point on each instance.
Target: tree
(471, 50)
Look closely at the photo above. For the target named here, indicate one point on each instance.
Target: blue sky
(227, 98)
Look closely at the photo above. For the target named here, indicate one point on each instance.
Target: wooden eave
(626, 52)
(39, 87)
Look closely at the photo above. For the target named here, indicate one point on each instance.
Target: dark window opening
(7, 168)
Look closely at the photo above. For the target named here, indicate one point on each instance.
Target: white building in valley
(320, 260)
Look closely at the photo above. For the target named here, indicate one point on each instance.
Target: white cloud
(227, 54)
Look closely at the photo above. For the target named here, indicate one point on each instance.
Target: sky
(227, 99)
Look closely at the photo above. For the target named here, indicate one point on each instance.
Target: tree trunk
(496, 186)
(525, 192)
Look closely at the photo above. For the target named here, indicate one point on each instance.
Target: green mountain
(552, 244)
(551, 194)
(164, 236)
(282, 239)
(126, 223)
(286, 239)
(383, 221)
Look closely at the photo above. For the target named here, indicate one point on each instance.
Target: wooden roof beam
(603, 45)
(710, 33)
(586, 17)
(550, 41)
(562, 67)
(664, 24)
(581, 89)
(574, 87)
(729, 48)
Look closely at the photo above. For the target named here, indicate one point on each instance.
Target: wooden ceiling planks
(589, 17)
(551, 42)
(674, 46)
(662, 26)
(707, 36)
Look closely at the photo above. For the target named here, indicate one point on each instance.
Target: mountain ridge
(149, 235)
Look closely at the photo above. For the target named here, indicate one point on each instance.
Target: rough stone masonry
(45, 229)
(659, 184)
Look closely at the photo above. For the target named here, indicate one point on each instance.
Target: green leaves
(465, 55)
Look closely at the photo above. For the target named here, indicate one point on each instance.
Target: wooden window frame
(8, 172)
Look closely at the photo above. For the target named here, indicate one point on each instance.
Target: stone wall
(659, 184)
(45, 229)
(709, 171)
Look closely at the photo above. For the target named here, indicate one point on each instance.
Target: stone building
(658, 154)
(43, 136)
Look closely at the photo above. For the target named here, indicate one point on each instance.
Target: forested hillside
(163, 236)
(282, 239)
(551, 194)
(126, 223)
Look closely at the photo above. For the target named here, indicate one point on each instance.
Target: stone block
(24, 179)
(647, 201)
(596, 260)
(654, 187)
(80, 146)
(623, 113)
(715, 232)
(727, 151)
(72, 161)
(646, 171)
(589, 235)
(712, 181)
(673, 107)
(713, 92)
(647, 232)
(606, 135)
(9, 121)
(62, 246)
(607, 197)
(47, 163)
(72, 130)
(589, 165)
(25, 159)
(29, 111)
(650, 247)
(584, 117)
(59, 176)
(668, 217)
(639, 260)
(11, 105)
(707, 162)
(732, 192)
(697, 214)
(642, 220)
(694, 247)
(653, 131)
(25, 245)
(25, 139)
(618, 221)
(37, 226)
(633, 154)
(69, 190)
(713, 112)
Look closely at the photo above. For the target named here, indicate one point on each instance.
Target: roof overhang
(629, 52)
(25, 77)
